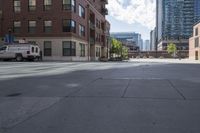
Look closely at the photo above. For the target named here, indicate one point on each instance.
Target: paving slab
(191, 90)
(16, 110)
(115, 115)
(152, 88)
(43, 86)
(104, 87)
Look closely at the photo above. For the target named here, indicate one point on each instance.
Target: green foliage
(116, 47)
(171, 48)
(119, 50)
(125, 53)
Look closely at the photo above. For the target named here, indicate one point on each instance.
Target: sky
(132, 16)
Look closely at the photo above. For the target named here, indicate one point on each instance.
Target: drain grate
(14, 95)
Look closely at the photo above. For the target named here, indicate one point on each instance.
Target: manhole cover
(14, 95)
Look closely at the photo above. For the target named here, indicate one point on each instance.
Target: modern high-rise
(174, 22)
(194, 52)
(146, 46)
(128, 36)
(70, 30)
(197, 10)
(153, 40)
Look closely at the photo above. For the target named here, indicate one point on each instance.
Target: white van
(19, 52)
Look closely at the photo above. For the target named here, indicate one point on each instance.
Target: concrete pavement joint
(133, 98)
(179, 92)
(72, 93)
(28, 118)
(151, 98)
(129, 81)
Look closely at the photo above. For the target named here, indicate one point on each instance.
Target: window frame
(70, 50)
(69, 28)
(81, 30)
(16, 29)
(48, 29)
(81, 11)
(17, 8)
(47, 7)
(196, 42)
(196, 31)
(98, 52)
(82, 50)
(71, 6)
(32, 7)
(47, 50)
(32, 29)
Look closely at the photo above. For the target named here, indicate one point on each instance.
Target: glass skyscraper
(132, 36)
(175, 20)
(197, 10)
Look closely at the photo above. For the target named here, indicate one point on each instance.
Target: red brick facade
(56, 14)
(194, 43)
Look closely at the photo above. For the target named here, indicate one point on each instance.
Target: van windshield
(2, 48)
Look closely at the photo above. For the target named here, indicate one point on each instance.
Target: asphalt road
(126, 97)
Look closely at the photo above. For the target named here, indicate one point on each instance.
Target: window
(69, 5)
(81, 11)
(32, 5)
(17, 6)
(16, 26)
(69, 26)
(32, 27)
(81, 30)
(98, 37)
(36, 50)
(97, 52)
(32, 49)
(196, 42)
(3, 48)
(47, 48)
(98, 24)
(47, 26)
(196, 32)
(82, 50)
(47, 5)
(69, 48)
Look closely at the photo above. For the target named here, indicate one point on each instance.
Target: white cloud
(134, 11)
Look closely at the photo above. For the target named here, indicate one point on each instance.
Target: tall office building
(141, 45)
(197, 10)
(70, 30)
(174, 22)
(153, 40)
(146, 46)
(130, 36)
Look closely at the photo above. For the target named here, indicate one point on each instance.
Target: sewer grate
(13, 95)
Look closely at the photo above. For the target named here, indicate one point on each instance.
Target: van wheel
(19, 58)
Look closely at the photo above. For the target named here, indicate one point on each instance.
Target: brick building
(194, 52)
(71, 30)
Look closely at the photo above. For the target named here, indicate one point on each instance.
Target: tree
(124, 52)
(171, 49)
(116, 47)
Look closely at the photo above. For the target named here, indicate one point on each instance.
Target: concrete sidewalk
(179, 61)
(121, 98)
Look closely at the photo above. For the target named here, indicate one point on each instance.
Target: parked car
(19, 52)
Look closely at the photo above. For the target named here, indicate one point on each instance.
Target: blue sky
(132, 16)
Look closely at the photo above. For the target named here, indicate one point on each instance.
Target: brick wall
(193, 51)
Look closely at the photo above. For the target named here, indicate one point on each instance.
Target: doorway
(196, 55)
